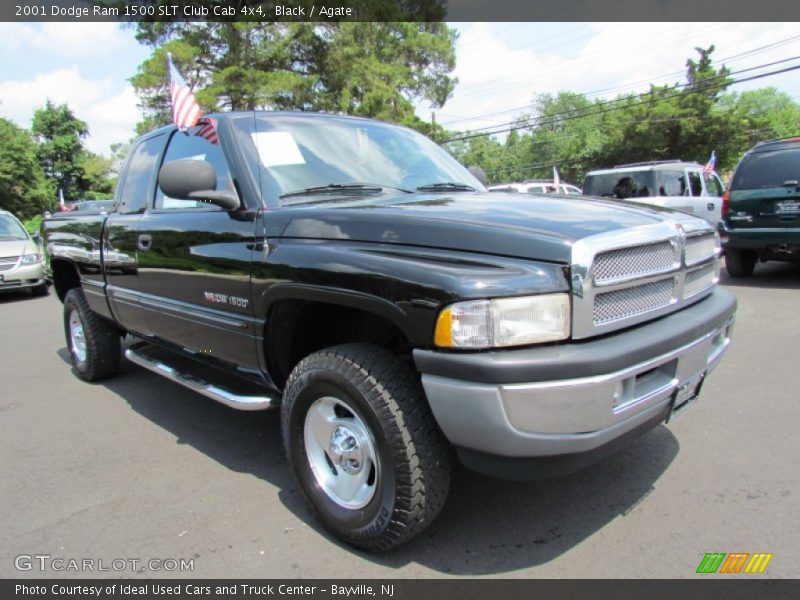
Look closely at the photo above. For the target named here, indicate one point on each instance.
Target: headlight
(504, 322)
(31, 259)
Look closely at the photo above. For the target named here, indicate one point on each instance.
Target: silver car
(21, 265)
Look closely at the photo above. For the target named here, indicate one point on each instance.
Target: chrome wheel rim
(77, 337)
(341, 453)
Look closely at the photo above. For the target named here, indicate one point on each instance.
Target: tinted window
(671, 183)
(188, 146)
(767, 169)
(695, 183)
(139, 177)
(630, 184)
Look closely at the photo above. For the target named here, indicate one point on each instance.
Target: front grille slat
(632, 301)
(700, 248)
(8, 262)
(634, 262)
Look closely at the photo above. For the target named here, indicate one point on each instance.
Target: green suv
(761, 208)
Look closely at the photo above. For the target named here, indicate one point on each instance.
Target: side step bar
(215, 392)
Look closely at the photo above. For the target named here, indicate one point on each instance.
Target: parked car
(538, 186)
(678, 185)
(92, 205)
(354, 275)
(21, 266)
(762, 207)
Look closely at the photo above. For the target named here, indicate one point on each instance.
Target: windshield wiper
(445, 186)
(337, 188)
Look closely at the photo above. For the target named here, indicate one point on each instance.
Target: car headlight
(504, 322)
(31, 259)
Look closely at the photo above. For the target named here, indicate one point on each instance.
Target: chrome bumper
(567, 416)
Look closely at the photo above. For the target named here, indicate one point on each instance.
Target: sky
(500, 67)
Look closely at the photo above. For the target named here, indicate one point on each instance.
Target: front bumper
(578, 397)
(22, 277)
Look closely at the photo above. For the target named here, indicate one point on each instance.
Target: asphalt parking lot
(140, 468)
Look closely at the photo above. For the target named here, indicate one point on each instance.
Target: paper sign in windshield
(276, 148)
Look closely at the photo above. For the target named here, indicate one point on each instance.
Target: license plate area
(787, 207)
(685, 396)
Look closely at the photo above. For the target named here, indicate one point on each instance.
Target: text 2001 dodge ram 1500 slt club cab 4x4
(353, 274)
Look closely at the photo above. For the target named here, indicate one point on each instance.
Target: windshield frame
(296, 123)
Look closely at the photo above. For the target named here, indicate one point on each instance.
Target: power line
(732, 58)
(652, 100)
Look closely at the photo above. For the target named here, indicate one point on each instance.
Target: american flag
(185, 110)
(712, 162)
(207, 129)
(556, 180)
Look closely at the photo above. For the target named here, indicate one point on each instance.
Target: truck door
(194, 265)
(120, 248)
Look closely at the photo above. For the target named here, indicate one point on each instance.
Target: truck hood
(523, 226)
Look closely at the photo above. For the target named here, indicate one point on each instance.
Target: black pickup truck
(357, 277)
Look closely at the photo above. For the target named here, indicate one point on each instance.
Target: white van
(672, 184)
(537, 186)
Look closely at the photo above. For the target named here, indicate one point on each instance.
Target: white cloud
(604, 58)
(108, 108)
(64, 39)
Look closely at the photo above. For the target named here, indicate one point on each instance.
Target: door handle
(145, 241)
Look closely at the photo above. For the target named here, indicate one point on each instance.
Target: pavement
(137, 468)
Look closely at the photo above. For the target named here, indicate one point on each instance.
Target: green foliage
(33, 224)
(24, 190)
(372, 69)
(60, 147)
(682, 121)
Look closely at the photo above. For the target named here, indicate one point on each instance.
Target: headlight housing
(31, 259)
(504, 322)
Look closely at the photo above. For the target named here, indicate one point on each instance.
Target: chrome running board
(210, 390)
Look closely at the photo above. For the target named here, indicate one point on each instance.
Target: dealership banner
(398, 10)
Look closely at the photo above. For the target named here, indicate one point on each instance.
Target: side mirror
(195, 180)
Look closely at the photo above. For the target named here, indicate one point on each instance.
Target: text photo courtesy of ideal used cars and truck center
(399, 299)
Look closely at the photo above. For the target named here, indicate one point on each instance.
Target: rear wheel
(364, 446)
(739, 262)
(94, 344)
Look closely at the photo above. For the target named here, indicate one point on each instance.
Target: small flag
(207, 129)
(556, 179)
(61, 204)
(712, 162)
(185, 110)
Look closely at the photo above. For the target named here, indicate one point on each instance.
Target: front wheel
(364, 446)
(94, 344)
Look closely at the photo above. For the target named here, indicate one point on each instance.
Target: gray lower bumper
(589, 409)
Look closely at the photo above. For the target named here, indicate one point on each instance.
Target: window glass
(671, 183)
(139, 176)
(10, 229)
(628, 184)
(695, 184)
(188, 145)
(536, 189)
(767, 169)
(714, 185)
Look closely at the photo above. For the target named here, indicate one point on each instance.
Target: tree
(24, 190)
(60, 147)
(359, 68)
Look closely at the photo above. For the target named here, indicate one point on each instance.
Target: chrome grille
(634, 262)
(700, 279)
(699, 248)
(632, 301)
(8, 262)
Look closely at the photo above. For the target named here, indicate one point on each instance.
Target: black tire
(739, 262)
(40, 290)
(412, 474)
(102, 345)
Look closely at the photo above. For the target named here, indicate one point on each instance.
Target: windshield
(767, 169)
(10, 229)
(297, 152)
